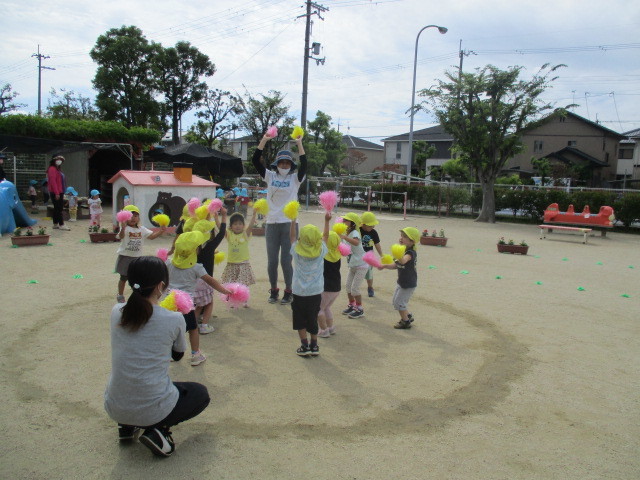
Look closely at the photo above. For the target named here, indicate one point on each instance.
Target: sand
(499, 379)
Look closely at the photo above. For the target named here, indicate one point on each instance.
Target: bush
(627, 208)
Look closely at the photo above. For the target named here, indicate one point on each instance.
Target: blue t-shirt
(308, 273)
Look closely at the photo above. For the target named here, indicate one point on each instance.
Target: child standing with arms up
(72, 200)
(95, 207)
(238, 269)
(357, 266)
(370, 239)
(131, 237)
(332, 282)
(308, 283)
(407, 276)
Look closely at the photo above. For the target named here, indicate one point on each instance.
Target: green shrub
(627, 208)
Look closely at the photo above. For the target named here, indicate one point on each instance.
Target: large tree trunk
(175, 125)
(488, 210)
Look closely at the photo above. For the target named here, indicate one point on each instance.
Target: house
(629, 156)
(362, 156)
(241, 146)
(396, 148)
(571, 142)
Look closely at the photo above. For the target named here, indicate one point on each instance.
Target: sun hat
(309, 242)
(95, 192)
(369, 219)
(71, 191)
(353, 217)
(284, 155)
(333, 254)
(412, 233)
(131, 208)
(185, 249)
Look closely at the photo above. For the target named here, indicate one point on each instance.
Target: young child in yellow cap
(370, 240)
(407, 276)
(332, 283)
(308, 253)
(132, 236)
(357, 266)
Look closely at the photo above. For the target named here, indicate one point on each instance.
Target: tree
(486, 112)
(125, 78)
(320, 125)
(70, 106)
(179, 70)
(216, 120)
(7, 96)
(543, 167)
(259, 113)
(354, 158)
(424, 151)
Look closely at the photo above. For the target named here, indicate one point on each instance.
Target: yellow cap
(132, 208)
(185, 254)
(309, 243)
(369, 219)
(353, 217)
(333, 254)
(185, 213)
(412, 233)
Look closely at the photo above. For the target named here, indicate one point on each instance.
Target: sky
(365, 84)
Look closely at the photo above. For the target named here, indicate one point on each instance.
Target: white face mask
(283, 171)
(58, 162)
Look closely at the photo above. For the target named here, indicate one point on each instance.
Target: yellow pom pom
(398, 250)
(340, 228)
(297, 132)
(218, 257)
(250, 204)
(386, 259)
(202, 212)
(170, 302)
(261, 206)
(161, 219)
(290, 210)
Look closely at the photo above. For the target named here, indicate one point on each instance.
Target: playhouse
(153, 191)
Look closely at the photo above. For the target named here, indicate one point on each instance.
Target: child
(31, 192)
(332, 282)
(131, 237)
(308, 283)
(357, 266)
(407, 276)
(370, 239)
(243, 200)
(95, 207)
(184, 271)
(72, 200)
(238, 268)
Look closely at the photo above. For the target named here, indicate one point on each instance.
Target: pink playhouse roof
(150, 178)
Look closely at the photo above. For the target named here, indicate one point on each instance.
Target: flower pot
(29, 240)
(258, 231)
(437, 241)
(103, 237)
(519, 249)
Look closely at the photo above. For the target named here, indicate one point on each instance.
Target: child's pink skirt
(238, 273)
(203, 295)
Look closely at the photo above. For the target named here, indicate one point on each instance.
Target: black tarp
(207, 162)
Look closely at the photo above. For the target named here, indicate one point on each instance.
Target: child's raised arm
(292, 231)
(157, 233)
(325, 233)
(348, 239)
(252, 222)
(215, 284)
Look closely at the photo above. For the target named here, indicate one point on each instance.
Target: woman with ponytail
(144, 339)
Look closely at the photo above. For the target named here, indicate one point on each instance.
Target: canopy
(207, 162)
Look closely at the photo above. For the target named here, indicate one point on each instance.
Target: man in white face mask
(283, 180)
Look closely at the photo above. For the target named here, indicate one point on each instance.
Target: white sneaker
(205, 328)
(324, 333)
(56, 226)
(197, 358)
(332, 330)
(64, 227)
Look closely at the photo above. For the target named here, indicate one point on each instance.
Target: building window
(606, 157)
(625, 153)
(572, 143)
(398, 150)
(537, 146)
(562, 119)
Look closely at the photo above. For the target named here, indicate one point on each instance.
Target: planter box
(258, 231)
(104, 237)
(29, 240)
(437, 241)
(519, 249)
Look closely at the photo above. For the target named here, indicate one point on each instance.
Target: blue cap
(244, 193)
(33, 182)
(71, 191)
(94, 192)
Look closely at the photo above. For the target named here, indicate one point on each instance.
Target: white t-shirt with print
(131, 243)
(280, 191)
(357, 252)
(95, 206)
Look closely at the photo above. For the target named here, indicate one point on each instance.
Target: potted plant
(511, 247)
(259, 227)
(98, 235)
(435, 238)
(29, 238)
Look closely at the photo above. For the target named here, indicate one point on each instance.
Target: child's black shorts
(305, 312)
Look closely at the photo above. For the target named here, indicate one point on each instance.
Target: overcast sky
(365, 83)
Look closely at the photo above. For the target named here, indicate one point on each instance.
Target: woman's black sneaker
(287, 297)
(127, 432)
(273, 295)
(158, 441)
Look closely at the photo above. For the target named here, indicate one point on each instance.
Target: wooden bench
(550, 228)
(602, 228)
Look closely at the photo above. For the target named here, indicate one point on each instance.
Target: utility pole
(40, 57)
(318, 9)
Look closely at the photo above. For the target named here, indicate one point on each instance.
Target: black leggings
(194, 398)
(58, 205)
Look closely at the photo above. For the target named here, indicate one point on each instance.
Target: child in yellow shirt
(238, 269)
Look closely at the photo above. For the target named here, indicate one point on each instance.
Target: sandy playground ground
(520, 377)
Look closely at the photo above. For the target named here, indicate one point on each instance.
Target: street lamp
(442, 30)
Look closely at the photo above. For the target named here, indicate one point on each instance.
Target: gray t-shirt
(185, 279)
(140, 391)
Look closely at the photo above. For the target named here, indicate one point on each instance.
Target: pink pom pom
(328, 200)
(184, 302)
(162, 254)
(272, 131)
(193, 204)
(239, 295)
(215, 205)
(344, 249)
(338, 220)
(371, 259)
(123, 216)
